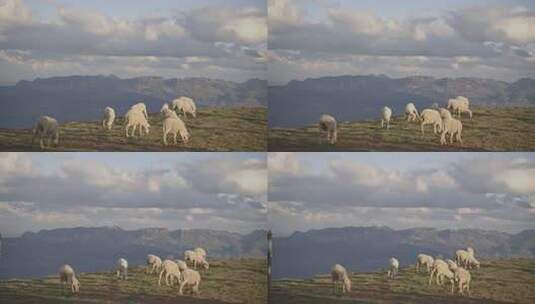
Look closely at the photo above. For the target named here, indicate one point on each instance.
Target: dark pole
(269, 257)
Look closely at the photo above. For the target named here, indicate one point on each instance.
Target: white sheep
(67, 276)
(197, 259)
(181, 265)
(411, 112)
(424, 260)
(191, 278)
(134, 118)
(174, 125)
(434, 270)
(460, 104)
(171, 270)
(47, 128)
(140, 107)
(463, 278)
(451, 264)
(185, 105)
(453, 127)
(387, 115)
(461, 256)
(109, 118)
(394, 267)
(328, 124)
(200, 251)
(189, 255)
(431, 117)
(154, 263)
(442, 271)
(122, 268)
(339, 276)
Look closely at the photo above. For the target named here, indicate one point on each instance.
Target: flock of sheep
(47, 128)
(171, 270)
(441, 119)
(456, 272)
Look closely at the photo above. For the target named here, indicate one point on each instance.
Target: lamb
(200, 251)
(428, 117)
(394, 267)
(122, 268)
(328, 124)
(170, 269)
(454, 127)
(109, 118)
(154, 263)
(191, 278)
(411, 112)
(339, 277)
(134, 118)
(387, 115)
(424, 260)
(174, 125)
(67, 276)
(47, 128)
(181, 265)
(463, 278)
(185, 105)
(452, 265)
(460, 104)
(140, 107)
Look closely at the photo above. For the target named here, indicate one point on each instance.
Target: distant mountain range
(305, 254)
(82, 98)
(97, 249)
(350, 98)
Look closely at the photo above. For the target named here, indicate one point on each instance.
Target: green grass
(491, 129)
(214, 129)
(227, 281)
(498, 281)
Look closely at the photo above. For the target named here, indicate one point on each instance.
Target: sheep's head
(75, 285)
(205, 265)
(347, 283)
(184, 134)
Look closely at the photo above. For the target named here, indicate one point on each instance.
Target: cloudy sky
(223, 39)
(455, 38)
(223, 191)
(494, 191)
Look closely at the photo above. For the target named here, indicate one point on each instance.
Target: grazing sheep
(67, 276)
(200, 251)
(140, 107)
(460, 104)
(191, 278)
(134, 118)
(463, 278)
(154, 263)
(168, 113)
(185, 105)
(451, 264)
(109, 118)
(387, 115)
(394, 267)
(189, 255)
(411, 112)
(181, 265)
(339, 277)
(452, 127)
(122, 268)
(197, 259)
(471, 262)
(461, 256)
(174, 125)
(328, 124)
(47, 128)
(434, 271)
(442, 271)
(428, 117)
(424, 260)
(171, 270)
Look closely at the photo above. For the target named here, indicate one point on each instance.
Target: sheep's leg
(134, 130)
(160, 279)
(41, 143)
(180, 287)
(174, 138)
(165, 137)
(195, 288)
(451, 138)
(422, 127)
(126, 274)
(382, 124)
(459, 139)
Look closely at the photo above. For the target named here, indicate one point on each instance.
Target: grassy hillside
(491, 129)
(214, 129)
(498, 281)
(227, 281)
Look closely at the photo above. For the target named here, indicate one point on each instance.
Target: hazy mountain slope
(76, 98)
(93, 249)
(352, 98)
(369, 248)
